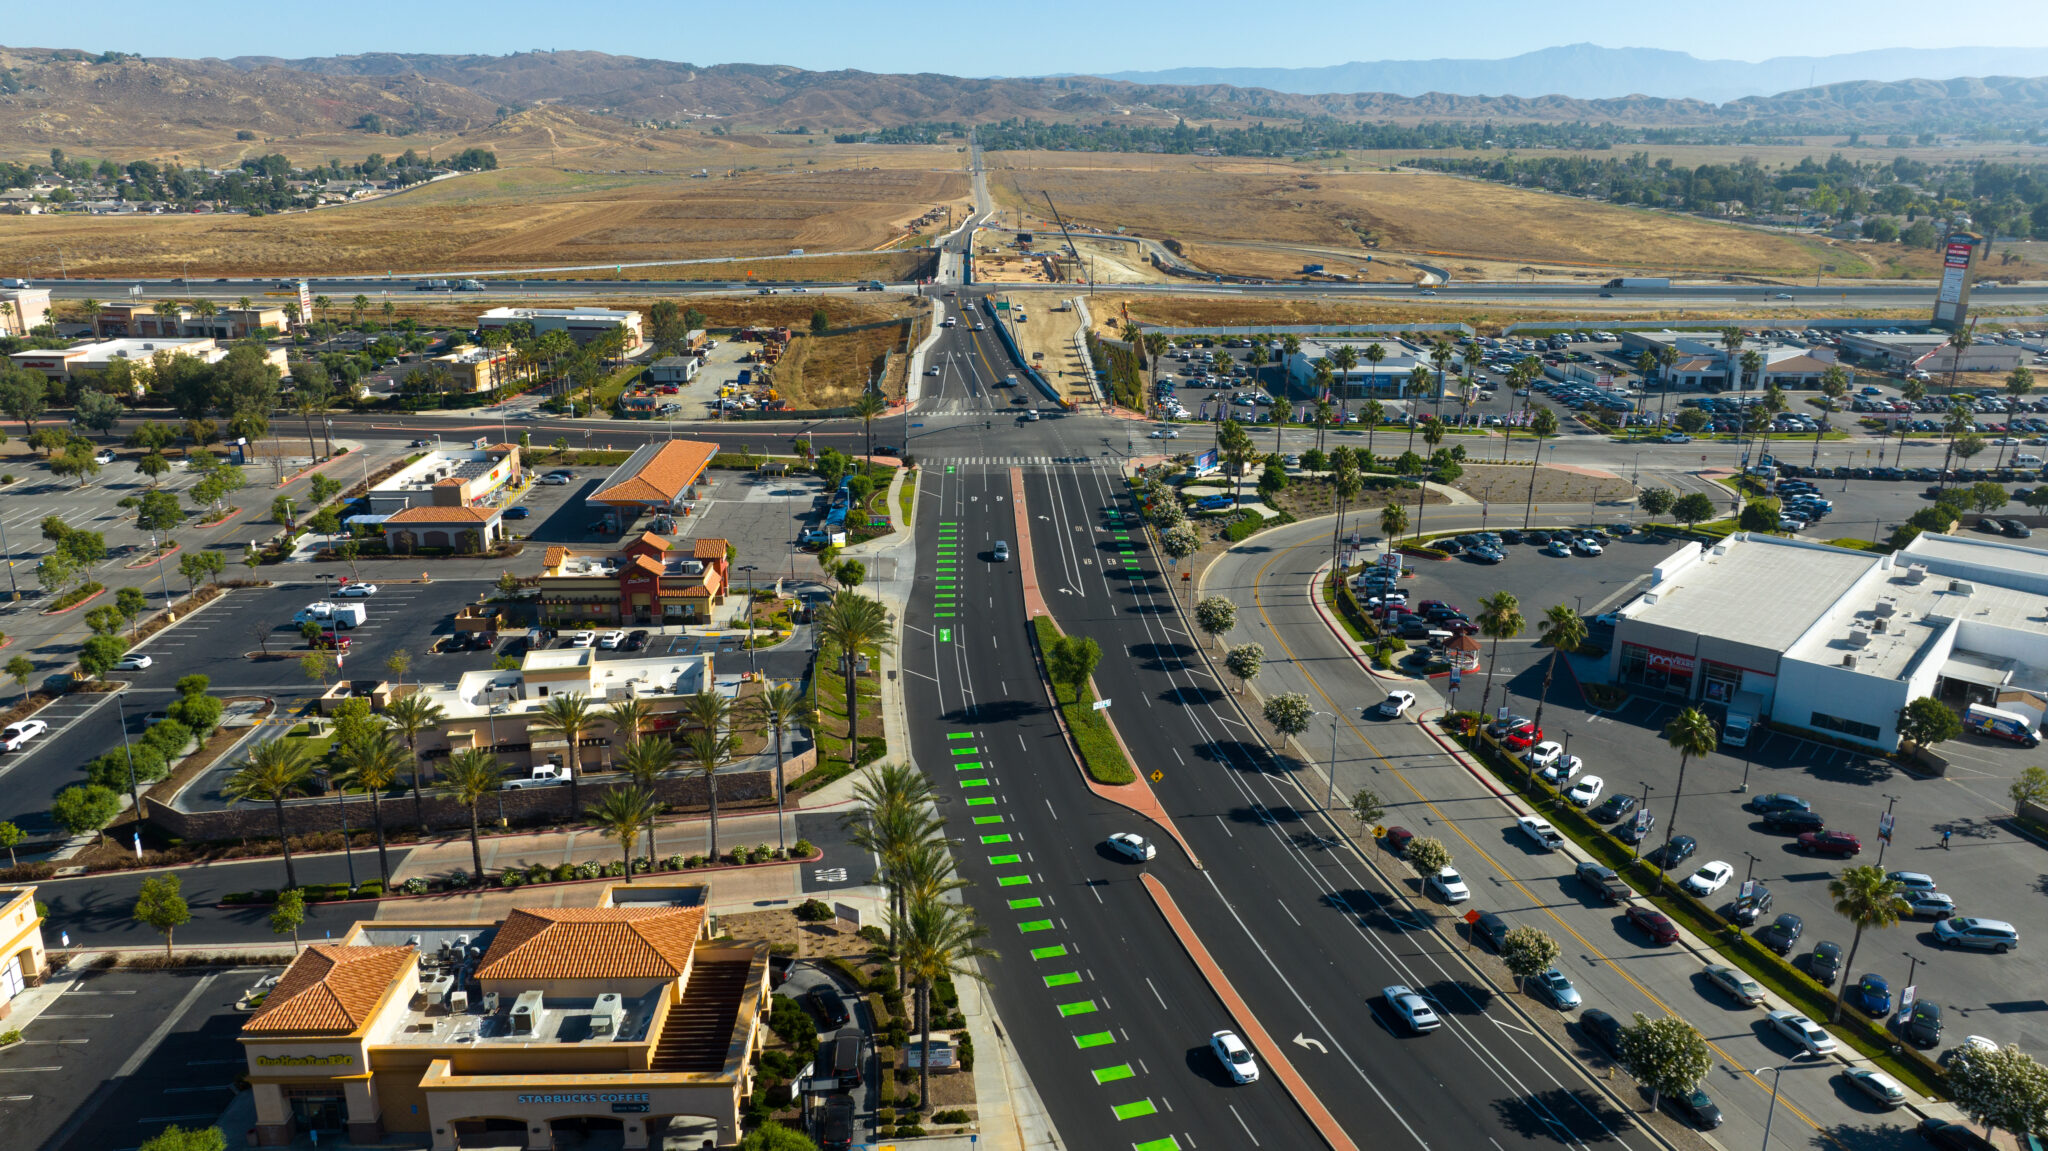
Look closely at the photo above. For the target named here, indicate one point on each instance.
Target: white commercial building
(582, 324)
(1700, 360)
(1839, 641)
(94, 356)
(1390, 377)
(1932, 353)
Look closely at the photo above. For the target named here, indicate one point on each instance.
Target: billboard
(1952, 300)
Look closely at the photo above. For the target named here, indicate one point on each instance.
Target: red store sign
(1669, 661)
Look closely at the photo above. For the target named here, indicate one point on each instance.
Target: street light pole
(1331, 800)
(1912, 969)
(1754, 859)
(1772, 1113)
(1885, 840)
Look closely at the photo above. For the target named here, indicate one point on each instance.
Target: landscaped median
(1727, 939)
(1100, 752)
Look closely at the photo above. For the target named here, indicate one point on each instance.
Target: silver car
(1413, 1009)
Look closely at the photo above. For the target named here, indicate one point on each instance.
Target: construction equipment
(1065, 233)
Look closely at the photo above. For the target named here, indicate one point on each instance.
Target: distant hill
(222, 108)
(1590, 72)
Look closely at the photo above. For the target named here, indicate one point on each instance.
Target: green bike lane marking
(1167, 1144)
(982, 820)
(982, 801)
(1083, 1007)
(1026, 902)
(1029, 926)
(1065, 980)
(1054, 952)
(1138, 1110)
(1013, 881)
(1112, 1074)
(1001, 860)
(973, 783)
(1094, 1039)
(1003, 837)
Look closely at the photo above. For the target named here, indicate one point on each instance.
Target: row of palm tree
(931, 938)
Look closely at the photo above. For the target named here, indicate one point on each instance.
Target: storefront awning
(1978, 671)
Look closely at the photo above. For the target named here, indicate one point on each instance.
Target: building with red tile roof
(650, 580)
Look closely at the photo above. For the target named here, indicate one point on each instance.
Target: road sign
(1379, 831)
(1642, 822)
(1472, 916)
(1157, 776)
(1906, 998)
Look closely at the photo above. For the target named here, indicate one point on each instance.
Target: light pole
(134, 791)
(7, 554)
(1884, 838)
(1772, 1113)
(753, 661)
(1637, 846)
(1754, 859)
(347, 850)
(1912, 969)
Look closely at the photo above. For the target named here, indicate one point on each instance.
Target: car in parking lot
(1836, 843)
(1679, 849)
(1638, 829)
(1922, 1025)
(1794, 821)
(1882, 1089)
(1973, 933)
(1602, 1029)
(1614, 807)
(1587, 546)
(134, 662)
(611, 640)
(356, 590)
(1131, 846)
(1450, 885)
(1653, 923)
(636, 640)
(1586, 790)
(1783, 933)
(16, 735)
(1552, 986)
(1235, 1057)
(518, 512)
(1522, 737)
(1930, 905)
(1778, 801)
(1872, 995)
(1912, 880)
(553, 479)
(1753, 904)
(1711, 877)
(1811, 1037)
(1824, 962)
(1215, 503)
(1413, 1009)
(1738, 986)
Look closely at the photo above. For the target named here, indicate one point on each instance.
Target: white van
(2026, 460)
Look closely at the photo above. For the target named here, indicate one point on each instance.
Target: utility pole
(1884, 828)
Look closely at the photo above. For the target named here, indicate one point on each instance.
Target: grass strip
(1100, 754)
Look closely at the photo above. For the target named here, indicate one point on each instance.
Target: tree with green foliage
(11, 837)
(1427, 855)
(21, 669)
(1868, 898)
(98, 655)
(1563, 631)
(848, 625)
(1500, 617)
(131, 603)
(288, 914)
(1542, 425)
(2030, 787)
(83, 808)
(622, 814)
(1289, 713)
(571, 717)
(1527, 951)
(1693, 507)
(473, 774)
(1244, 662)
(1691, 734)
(1760, 514)
(273, 772)
(1986, 496)
(160, 905)
(1215, 615)
(2005, 1089)
(773, 1136)
(1071, 659)
(1367, 807)
(1666, 1055)
(938, 942)
(176, 1138)
(373, 761)
(1927, 721)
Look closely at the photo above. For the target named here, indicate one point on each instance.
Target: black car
(1490, 927)
(1778, 801)
(1754, 906)
(1537, 538)
(1698, 1107)
(829, 1006)
(1783, 933)
(1511, 536)
(636, 641)
(1923, 1026)
(1953, 1136)
(1825, 964)
(1794, 822)
(1671, 855)
(1602, 1029)
(1615, 807)
(1448, 547)
(2017, 530)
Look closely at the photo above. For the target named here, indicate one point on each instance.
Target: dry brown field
(1425, 214)
(509, 218)
(832, 370)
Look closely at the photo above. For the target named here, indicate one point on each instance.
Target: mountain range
(1591, 72)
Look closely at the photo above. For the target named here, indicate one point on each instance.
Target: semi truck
(1623, 282)
(434, 286)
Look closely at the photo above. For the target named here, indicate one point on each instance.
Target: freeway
(1424, 789)
(1304, 929)
(1111, 1017)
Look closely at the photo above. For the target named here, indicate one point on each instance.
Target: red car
(1522, 738)
(1654, 923)
(1396, 839)
(1830, 843)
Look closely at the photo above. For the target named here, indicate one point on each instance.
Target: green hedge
(1100, 752)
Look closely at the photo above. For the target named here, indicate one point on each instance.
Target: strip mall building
(620, 1021)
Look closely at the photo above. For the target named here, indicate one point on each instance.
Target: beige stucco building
(617, 1018)
(21, 944)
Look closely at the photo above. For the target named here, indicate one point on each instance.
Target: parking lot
(160, 1046)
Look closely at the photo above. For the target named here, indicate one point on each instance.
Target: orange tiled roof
(593, 943)
(675, 466)
(650, 539)
(648, 564)
(694, 591)
(330, 988)
(553, 557)
(431, 515)
(450, 482)
(709, 548)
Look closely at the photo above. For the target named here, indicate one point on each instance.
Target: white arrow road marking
(1301, 1040)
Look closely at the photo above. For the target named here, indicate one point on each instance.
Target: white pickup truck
(545, 775)
(327, 613)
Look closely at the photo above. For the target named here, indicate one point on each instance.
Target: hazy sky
(1046, 36)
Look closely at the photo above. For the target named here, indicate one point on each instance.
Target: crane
(1064, 233)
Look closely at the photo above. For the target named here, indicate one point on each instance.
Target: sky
(1050, 36)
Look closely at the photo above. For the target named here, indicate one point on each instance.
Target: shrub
(963, 1051)
(589, 869)
(954, 1116)
(814, 911)
(912, 1131)
(674, 862)
(874, 935)
(512, 879)
(804, 849)
(563, 872)
(414, 886)
(908, 1100)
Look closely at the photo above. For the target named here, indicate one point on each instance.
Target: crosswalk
(1007, 461)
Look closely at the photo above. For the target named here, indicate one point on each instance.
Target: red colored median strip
(1326, 1123)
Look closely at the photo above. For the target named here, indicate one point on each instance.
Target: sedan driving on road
(1884, 1090)
(1811, 1037)
(1131, 846)
(1739, 987)
(1396, 703)
(1654, 923)
(1413, 1009)
(1236, 1058)
(356, 590)
(134, 663)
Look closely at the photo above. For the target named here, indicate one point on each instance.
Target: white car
(1587, 791)
(1173, 433)
(1708, 879)
(583, 639)
(1805, 1032)
(1237, 1059)
(1913, 880)
(17, 734)
(1396, 703)
(1131, 846)
(1740, 987)
(1587, 546)
(134, 663)
(1450, 885)
(1563, 770)
(611, 640)
(103, 457)
(1155, 434)
(1413, 1009)
(553, 480)
(1543, 754)
(356, 590)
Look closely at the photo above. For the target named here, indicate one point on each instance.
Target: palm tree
(1731, 345)
(1666, 357)
(645, 761)
(92, 309)
(474, 774)
(1690, 733)
(622, 812)
(1432, 435)
(1867, 897)
(1834, 384)
(1961, 419)
(1564, 631)
(1960, 341)
(938, 942)
(847, 624)
(1418, 379)
(320, 305)
(411, 715)
(1440, 354)
(1373, 413)
(1283, 410)
(1320, 416)
(893, 815)
(865, 409)
(1393, 521)
(356, 308)
(1347, 484)
(1343, 358)
(570, 716)
(274, 772)
(777, 709)
(373, 764)
(629, 718)
(1542, 425)
(710, 749)
(1500, 617)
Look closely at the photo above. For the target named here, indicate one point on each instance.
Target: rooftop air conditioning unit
(1859, 637)
(1886, 608)
(490, 1003)
(528, 1016)
(1916, 573)
(1849, 661)
(1962, 587)
(1877, 626)
(609, 1014)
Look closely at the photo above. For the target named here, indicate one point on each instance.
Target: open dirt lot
(831, 370)
(1195, 199)
(510, 218)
